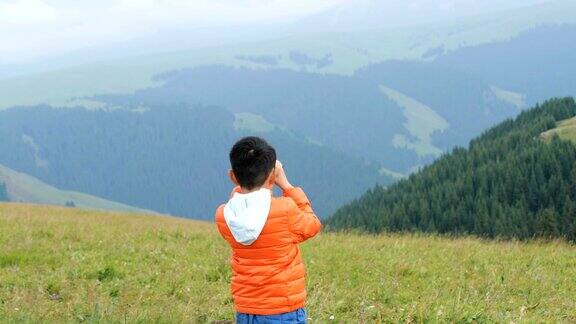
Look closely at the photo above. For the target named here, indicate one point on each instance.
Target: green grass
(24, 188)
(68, 265)
(565, 129)
(395, 175)
(421, 121)
(516, 99)
(252, 122)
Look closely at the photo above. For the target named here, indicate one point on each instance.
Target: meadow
(565, 129)
(70, 265)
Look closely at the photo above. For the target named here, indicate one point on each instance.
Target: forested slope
(510, 182)
(331, 109)
(171, 159)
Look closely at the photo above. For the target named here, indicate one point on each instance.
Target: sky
(42, 28)
(30, 26)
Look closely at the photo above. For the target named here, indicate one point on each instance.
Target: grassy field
(565, 129)
(421, 121)
(69, 265)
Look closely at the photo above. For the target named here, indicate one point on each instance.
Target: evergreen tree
(547, 223)
(3, 192)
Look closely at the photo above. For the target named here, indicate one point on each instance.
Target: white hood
(246, 214)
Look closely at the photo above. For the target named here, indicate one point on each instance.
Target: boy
(268, 276)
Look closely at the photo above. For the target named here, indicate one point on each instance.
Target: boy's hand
(281, 179)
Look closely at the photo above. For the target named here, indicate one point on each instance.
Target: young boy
(268, 276)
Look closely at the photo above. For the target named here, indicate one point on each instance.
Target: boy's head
(252, 160)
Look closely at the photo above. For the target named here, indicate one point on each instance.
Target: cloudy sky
(29, 26)
(38, 28)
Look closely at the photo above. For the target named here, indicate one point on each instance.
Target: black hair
(252, 160)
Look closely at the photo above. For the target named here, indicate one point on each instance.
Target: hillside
(467, 103)
(507, 183)
(70, 265)
(169, 158)
(565, 129)
(327, 109)
(20, 187)
(537, 64)
(414, 92)
(412, 107)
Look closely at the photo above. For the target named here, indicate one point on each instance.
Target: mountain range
(371, 105)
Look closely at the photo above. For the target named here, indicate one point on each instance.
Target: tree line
(3, 192)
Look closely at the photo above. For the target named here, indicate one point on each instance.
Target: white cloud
(29, 28)
(32, 28)
(26, 12)
(220, 11)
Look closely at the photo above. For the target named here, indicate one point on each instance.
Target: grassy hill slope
(69, 265)
(565, 129)
(24, 188)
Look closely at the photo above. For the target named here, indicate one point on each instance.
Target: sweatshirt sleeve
(303, 223)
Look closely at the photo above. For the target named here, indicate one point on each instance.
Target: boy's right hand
(281, 179)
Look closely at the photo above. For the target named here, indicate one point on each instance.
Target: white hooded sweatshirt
(246, 214)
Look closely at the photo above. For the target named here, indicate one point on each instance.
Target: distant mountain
(20, 187)
(378, 14)
(538, 64)
(370, 104)
(516, 180)
(154, 43)
(327, 109)
(172, 159)
(467, 103)
(331, 109)
(350, 16)
(79, 74)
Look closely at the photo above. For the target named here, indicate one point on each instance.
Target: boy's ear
(232, 177)
(271, 179)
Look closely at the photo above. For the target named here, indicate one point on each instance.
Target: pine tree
(548, 224)
(3, 192)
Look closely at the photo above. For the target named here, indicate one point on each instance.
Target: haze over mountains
(350, 100)
(378, 14)
(85, 40)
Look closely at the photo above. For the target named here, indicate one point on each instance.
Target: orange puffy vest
(268, 276)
